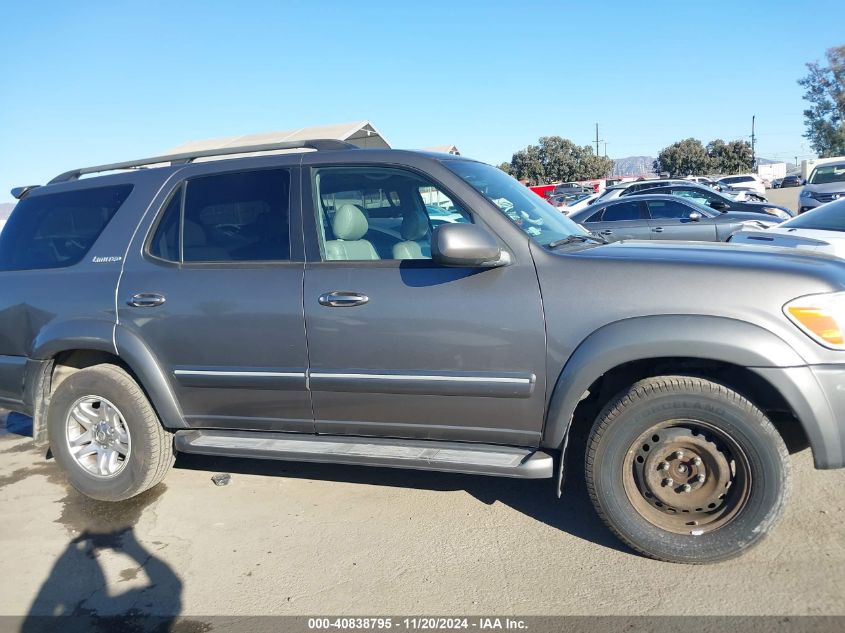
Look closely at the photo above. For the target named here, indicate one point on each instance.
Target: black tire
(671, 404)
(151, 454)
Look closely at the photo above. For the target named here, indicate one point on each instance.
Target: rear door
(670, 220)
(213, 285)
(623, 220)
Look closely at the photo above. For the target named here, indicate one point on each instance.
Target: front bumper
(816, 395)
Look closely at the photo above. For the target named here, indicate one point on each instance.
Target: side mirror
(465, 245)
(695, 216)
(718, 204)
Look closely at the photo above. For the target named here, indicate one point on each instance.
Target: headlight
(822, 317)
(805, 193)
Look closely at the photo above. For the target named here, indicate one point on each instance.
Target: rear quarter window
(57, 230)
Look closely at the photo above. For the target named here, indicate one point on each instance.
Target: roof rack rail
(187, 157)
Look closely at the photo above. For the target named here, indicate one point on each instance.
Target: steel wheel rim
(97, 437)
(687, 477)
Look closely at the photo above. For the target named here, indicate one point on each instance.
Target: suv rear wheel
(106, 436)
(686, 470)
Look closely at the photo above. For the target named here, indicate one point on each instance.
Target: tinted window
(165, 244)
(236, 217)
(58, 230)
(699, 195)
(668, 210)
(622, 211)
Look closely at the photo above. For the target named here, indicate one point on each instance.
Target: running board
(479, 459)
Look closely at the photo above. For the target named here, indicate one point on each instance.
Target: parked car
(776, 183)
(628, 188)
(792, 180)
(664, 217)
(721, 202)
(750, 182)
(564, 201)
(161, 310)
(703, 180)
(571, 188)
(821, 229)
(825, 184)
(581, 203)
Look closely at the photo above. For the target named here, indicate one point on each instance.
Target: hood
(828, 187)
(716, 256)
(748, 216)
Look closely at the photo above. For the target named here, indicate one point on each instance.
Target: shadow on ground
(573, 513)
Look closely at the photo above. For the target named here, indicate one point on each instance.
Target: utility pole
(597, 139)
(753, 142)
(605, 149)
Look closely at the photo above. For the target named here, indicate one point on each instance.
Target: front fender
(689, 336)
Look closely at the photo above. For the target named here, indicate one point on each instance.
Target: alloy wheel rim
(687, 477)
(97, 437)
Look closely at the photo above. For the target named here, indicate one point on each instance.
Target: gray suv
(306, 306)
(825, 184)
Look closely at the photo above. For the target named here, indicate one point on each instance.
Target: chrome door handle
(606, 232)
(146, 300)
(343, 299)
(659, 229)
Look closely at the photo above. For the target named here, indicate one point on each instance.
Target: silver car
(825, 184)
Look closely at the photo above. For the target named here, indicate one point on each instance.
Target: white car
(581, 204)
(821, 230)
(749, 182)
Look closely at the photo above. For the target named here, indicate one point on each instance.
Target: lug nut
(679, 454)
(686, 488)
(663, 466)
(668, 481)
(700, 479)
(696, 461)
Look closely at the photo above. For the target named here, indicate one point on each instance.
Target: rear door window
(668, 210)
(57, 230)
(621, 212)
(231, 217)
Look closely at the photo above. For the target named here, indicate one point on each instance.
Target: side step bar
(485, 459)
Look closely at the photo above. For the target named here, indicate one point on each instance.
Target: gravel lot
(287, 538)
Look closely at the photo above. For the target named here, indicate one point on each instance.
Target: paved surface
(785, 197)
(314, 539)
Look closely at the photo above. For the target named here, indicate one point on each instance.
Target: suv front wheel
(106, 436)
(686, 470)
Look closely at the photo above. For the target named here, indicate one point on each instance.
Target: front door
(216, 292)
(400, 346)
(622, 220)
(670, 220)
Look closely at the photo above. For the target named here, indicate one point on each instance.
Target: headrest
(193, 234)
(414, 226)
(349, 223)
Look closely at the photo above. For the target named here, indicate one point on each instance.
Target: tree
(733, 157)
(684, 158)
(558, 159)
(825, 91)
(505, 167)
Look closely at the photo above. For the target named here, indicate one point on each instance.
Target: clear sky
(89, 82)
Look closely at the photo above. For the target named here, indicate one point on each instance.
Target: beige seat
(349, 227)
(414, 229)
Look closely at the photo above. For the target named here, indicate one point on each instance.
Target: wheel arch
(67, 347)
(631, 349)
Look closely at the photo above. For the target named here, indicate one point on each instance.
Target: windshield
(825, 174)
(828, 217)
(537, 218)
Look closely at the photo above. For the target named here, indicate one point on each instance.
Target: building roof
(360, 133)
(446, 149)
